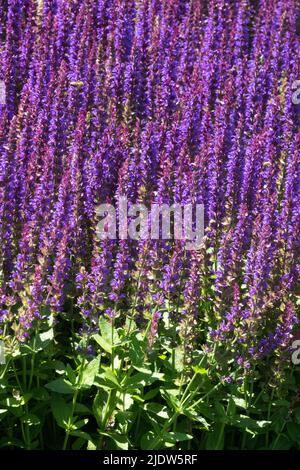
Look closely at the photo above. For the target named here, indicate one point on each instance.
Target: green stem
(5, 369)
(137, 428)
(74, 401)
(28, 440)
(32, 362)
(205, 396)
(24, 372)
(220, 436)
(269, 415)
(166, 426)
(23, 433)
(112, 344)
(17, 378)
(134, 302)
(246, 408)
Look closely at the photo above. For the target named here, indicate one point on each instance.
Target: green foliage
(128, 395)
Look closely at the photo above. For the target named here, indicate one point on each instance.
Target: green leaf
(174, 437)
(157, 410)
(78, 443)
(110, 376)
(244, 422)
(59, 367)
(137, 398)
(231, 408)
(16, 402)
(30, 419)
(108, 333)
(61, 386)
(126, 401)
(104, 344)
(144, 370)
(194, 416)
(282, 443)
(294, 431)
(215, 440)
(81, 409)
(125, 417)
(141, 379)
(120, 440)
(99, 407)
(61, 411)
(91, 446)
(3, 384)
(151, 394)
(220, 411)
(38, 342)
(71, 374)
(172, 401)
(90, 372)
(136, 352)
(82, 434)
(79, 424)
(11, 442)
(148, 440)
(40, 394)
(103, 408)
(278, 419)
(179, 359)
(297, 414)
(240, 402)
(46, 337)
(200, 370)
(206, 410)
(2, 413)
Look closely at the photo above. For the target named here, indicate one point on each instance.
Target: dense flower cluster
(163, 101)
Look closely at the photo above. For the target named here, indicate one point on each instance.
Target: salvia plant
(112, 343)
